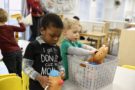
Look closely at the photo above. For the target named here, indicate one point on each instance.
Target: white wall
(89, 10)
(112, 12)
(129, 10)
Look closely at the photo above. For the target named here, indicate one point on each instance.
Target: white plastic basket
(91, 77)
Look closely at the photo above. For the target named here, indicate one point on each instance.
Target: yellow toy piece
(129, 67)
(98, 58)
(15, 16)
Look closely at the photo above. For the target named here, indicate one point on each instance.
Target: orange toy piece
(56, 81)
(98, 58)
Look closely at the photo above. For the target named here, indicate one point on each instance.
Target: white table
(124, 80)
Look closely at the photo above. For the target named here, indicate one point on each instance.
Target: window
(12, 7)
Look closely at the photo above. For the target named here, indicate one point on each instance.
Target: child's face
(51, 35)
(73, 34)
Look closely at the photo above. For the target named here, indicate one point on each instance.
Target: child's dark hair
(52, 19)
(3, 15)
(76, 17)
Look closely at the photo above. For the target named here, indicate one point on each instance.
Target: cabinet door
(127, 47)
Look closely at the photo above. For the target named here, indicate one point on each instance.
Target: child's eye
(52, 35)
(55, 36)
(76, 32)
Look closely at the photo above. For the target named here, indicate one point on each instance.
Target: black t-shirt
(45, 58)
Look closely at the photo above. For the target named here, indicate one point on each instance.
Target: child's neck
(69, 40)
(2, 23)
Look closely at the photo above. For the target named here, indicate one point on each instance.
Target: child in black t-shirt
(43, 55)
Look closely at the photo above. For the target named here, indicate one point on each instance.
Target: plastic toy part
(54, 73)
(56, 81)
(16, 16)
(129, 67)
(61, 82)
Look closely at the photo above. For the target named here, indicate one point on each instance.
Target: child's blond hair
(3, 15)
(68, 23)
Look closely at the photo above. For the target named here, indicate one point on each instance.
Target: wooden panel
(127, 47)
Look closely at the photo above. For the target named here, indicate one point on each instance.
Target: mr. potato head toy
(99, 55)
(56, 81)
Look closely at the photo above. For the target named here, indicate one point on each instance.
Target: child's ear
(64, 32)
(41, 30)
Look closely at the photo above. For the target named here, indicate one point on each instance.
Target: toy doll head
(3, 16)
(72, 29)
(51, 28)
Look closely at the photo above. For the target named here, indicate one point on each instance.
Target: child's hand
(93, 52)
(62, 74)
(43, 80)
(19, 19)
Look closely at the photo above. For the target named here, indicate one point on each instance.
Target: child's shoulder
(78, 42)
(65, 42)
(34, 43)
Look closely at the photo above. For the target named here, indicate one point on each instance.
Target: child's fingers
(62, 74)
(46, 87)
(44, 81)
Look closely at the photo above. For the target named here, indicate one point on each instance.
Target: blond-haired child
(70, 45)
(12, 54)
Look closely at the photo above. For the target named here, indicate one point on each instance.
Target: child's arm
(21, 28)
(60, 66)
(79, 51)
(28, 69)
(62, 70)
(88, 47)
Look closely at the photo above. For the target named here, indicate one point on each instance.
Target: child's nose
(55, 38)
(77, 35)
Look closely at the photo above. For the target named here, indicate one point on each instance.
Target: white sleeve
(78, 51)
(88, 47)
(28, 69)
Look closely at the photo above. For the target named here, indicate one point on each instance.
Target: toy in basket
(98, 58)
(56, 81)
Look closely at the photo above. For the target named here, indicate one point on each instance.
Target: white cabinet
(127, 47)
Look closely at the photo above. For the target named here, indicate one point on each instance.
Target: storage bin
(91, 77)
